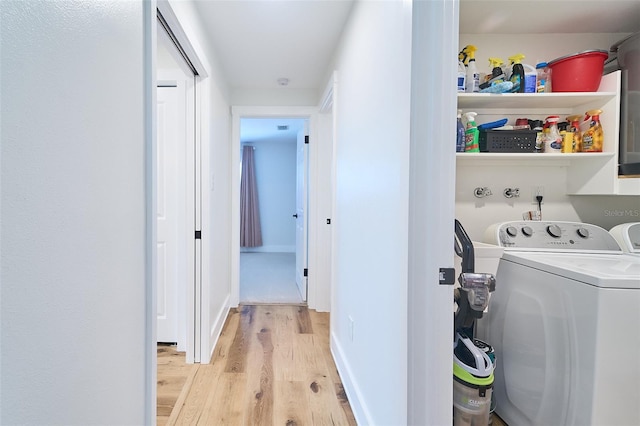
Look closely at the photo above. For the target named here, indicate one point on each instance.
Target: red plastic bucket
(580, 72)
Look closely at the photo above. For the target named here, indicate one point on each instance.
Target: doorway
(175, 194)
(274, 210)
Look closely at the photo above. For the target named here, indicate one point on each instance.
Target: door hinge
(306, 272)
(306, 139)
(198, 235)
(328, 221)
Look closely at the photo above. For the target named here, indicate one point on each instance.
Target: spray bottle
(496, 76)
(574, 127)
(473, 77)
(593, 137)
(462, 77)
(460, 135)
(517, 73)
(471, 133)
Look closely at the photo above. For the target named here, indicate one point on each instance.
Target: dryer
(628, 236)
(564, 322)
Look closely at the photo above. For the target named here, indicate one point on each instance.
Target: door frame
(315, 289)
(196, 340)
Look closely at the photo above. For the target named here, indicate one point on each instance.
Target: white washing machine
(628, 236)
(564, 322)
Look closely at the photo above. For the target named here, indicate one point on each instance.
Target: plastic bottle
(530, 78)
(462, 77)
(471, 134)
(517, 73)
(473, 77)
(460, 136)
(593, 137)
(496, 76)
(574, 127)
(552, 139)
(542, 82)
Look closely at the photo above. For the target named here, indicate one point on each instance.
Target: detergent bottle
(551, 138)
(471, 134)
(517, 73)
(574, 127)
(460, 135)
(473, 77)
(593, 137)
(496, 76)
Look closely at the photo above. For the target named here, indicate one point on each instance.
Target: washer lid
(628, 236)
(607, 271)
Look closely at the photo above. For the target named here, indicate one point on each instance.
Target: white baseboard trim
(351, 388)
(268, 249)
(216, 329)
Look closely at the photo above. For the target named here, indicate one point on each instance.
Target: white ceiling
(549, 16)
(259, 41)
(262, 129)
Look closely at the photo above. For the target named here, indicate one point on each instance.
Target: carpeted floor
(268, 278)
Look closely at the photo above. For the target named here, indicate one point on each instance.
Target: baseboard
(351, 388)
(216, 329)
(268, 249)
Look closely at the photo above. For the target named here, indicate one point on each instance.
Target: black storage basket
(507, 140)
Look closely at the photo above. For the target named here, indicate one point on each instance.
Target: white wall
(371, 223)
(74, 244)
(477, 214)
(275, 163)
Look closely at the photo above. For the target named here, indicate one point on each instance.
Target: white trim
(172, 20)
(350, 386)
(238, 112)
(216, 329)
(151, 351)
(431, 211)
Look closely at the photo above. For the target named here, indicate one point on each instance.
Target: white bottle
(473, 78)
(462, 77)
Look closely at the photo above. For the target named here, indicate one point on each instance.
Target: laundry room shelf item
(587, 173)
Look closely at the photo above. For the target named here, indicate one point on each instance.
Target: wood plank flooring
(272, 366)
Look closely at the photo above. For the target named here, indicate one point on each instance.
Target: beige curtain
(250, 232)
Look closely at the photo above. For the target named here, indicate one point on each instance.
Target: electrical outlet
(351, 325)
(537, 191)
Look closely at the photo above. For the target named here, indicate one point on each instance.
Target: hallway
(272, 366)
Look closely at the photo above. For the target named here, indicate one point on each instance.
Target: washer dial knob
(554, 231)
(512, 231)
(583, 232)
(527, 231)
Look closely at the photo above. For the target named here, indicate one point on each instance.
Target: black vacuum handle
(464, 248)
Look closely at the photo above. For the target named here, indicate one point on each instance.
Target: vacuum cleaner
(473, 361)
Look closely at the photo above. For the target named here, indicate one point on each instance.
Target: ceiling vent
(283, 127)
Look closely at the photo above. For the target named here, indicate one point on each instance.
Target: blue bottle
(460, 134)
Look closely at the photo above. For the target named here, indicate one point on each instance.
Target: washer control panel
(550, 236)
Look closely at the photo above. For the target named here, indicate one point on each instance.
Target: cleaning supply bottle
(530, 78)
(551, 138)
(593, 137)
(462, 77)
(543, 83)
(496, 76)
(460, 136)
(574, 127)
(517, 73)
(471, 134)
(473, 77)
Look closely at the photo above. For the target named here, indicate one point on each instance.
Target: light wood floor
(272, 366)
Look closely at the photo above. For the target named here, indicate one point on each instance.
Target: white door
(170, 156)
(301, 214)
